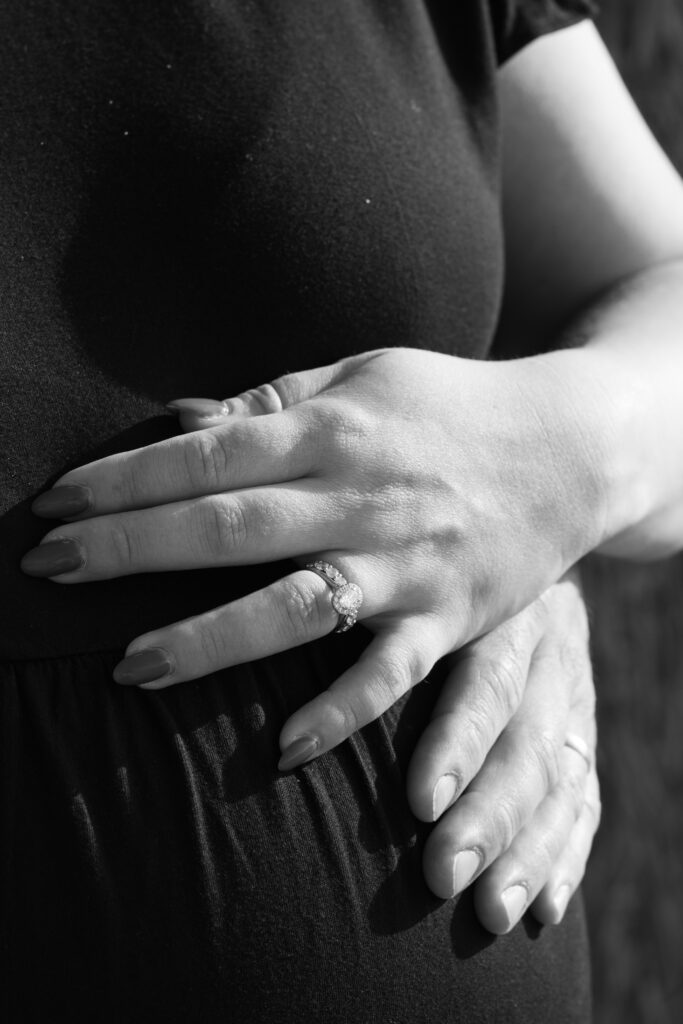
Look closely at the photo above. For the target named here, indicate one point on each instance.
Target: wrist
(597, 408)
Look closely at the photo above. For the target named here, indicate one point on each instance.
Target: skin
(455, 525)
(531, 809)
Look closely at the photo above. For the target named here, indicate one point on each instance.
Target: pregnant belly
(157, 866)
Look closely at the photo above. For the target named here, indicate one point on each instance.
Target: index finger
(240, 453)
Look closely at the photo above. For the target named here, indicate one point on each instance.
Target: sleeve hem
(525, 25)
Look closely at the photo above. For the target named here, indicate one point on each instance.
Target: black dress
(197, 196)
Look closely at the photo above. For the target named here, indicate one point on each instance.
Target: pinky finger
(568, 870)
(202, 413)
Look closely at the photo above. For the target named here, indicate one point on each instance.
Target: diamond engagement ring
(346, 597)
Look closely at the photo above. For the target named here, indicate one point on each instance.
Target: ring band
(580, 747)
(346, 597)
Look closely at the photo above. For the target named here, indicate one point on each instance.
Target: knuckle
(502, 683)
(573, 786)
(206, 460)
(347, 427)
(122, 544)
(393, 678)
(211, 645)
(506, 823)
(545, 755)
(540, 857)
(478, 737)
(262, 400)
(270, 397)
(223, 527)
(307, 613)
(574, 659)
(353, 717)
(407, 664)
(420, 662)
(133, 482)
(287, 390)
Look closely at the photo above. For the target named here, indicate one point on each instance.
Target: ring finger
(296, 608)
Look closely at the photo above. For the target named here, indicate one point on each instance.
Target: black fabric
(196, 196)
(518, 22)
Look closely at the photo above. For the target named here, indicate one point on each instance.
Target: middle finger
(241, 527)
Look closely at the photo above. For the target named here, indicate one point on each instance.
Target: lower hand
(507, 766)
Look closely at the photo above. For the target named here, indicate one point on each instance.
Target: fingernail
(465, 866)
(443, 794)
(514, 901)
(298, 752)
(144, 667)
(62, 502)
(560, 901)
(199, 406)
(53, 558)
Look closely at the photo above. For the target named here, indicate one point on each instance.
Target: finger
(566, 874)
(505, 891)
(235, 528)
(286, 614)
(477, 701)
(240, 450)
(520, 770)
(202, 413)
(272, 397)
(242, 453)
(396, 660)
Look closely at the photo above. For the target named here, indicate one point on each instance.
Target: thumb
(281, 393)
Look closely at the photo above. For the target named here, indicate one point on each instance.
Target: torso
(195, 198)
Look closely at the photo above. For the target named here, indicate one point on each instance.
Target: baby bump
(156, 861)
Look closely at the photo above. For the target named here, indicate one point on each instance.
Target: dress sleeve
(518, 22)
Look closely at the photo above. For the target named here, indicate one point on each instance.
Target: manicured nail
(53, 558)
(199, 406)
(62, 502)
(514, 901)
(465, 866)
(560, 901)
(298, 752)
(443, 794)
(144, 667)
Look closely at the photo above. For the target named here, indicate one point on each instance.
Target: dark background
(634, 884)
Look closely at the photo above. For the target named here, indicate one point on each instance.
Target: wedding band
(579, 746)
(346, 597)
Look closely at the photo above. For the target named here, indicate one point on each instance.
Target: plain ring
(346, 597)
(579, 746)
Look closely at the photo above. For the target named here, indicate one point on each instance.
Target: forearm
(625, 374)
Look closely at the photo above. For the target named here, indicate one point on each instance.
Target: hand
(507, 765)
(453, 492)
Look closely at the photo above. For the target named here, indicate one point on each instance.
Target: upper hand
(452, 491)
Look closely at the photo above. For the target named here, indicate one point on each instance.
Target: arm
(593, 217)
